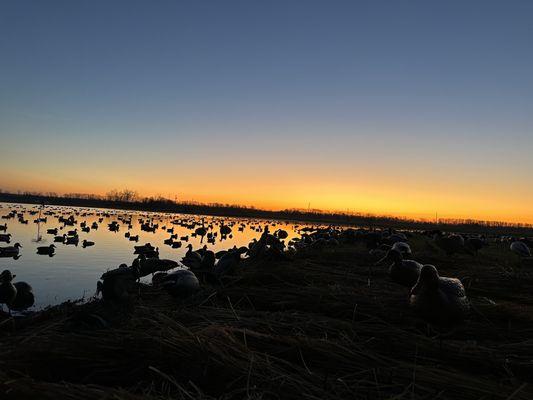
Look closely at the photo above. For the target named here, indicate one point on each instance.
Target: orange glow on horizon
(386, 197)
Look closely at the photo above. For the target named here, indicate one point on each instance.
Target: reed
(308, 328)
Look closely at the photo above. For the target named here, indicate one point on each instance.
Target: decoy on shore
(17, 296)
(401, 271)
(451, 244)
(438, 300)
(181, 283)
(119, 284)
(520, 248)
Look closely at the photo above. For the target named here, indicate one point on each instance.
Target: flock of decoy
(440, 300)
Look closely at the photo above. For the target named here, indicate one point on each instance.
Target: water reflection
(64, 250)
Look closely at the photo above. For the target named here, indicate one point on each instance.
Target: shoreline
(363, 221)
(307, 327)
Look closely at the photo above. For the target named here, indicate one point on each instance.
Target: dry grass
(311, 328)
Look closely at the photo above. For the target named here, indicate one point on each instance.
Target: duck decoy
(59, 239)
(438, 300)
(87, 243)
(10, 251)
(5, 237)
(46, 250)
(72, 240)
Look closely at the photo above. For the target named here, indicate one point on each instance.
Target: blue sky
(162, 95)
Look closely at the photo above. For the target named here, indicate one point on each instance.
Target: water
(73, 271)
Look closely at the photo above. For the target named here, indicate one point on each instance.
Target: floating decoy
(202, 230)
(87, 243)
(10, 251)
(5, 237)
(46, 250)
(439, 300)
(224, 229)
(52, 231)
(72, 240)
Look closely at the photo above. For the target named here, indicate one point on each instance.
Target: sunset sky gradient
(388, 107)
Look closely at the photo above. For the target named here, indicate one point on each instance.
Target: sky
(388, 107)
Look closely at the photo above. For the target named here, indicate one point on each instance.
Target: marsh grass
(310, 328)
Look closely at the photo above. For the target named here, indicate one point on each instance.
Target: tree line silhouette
(130, 200)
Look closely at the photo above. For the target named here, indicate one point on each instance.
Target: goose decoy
(224, 229)
(208, 260)
(181, 283)
(5, 237)
(46, 250)
(401, 271)
(10, 251)
(520, 248)
(143, 248)
(87, 243)
(450, 244)
(52, 231)
(227, 263)
(8, 291)
(202, 230)
(149, 265)
(438, 300)
(281, 234)
(119, 284)
(403, 248)
(18, 296)
(475, 244)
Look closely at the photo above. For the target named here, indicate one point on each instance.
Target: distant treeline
(130, 200)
